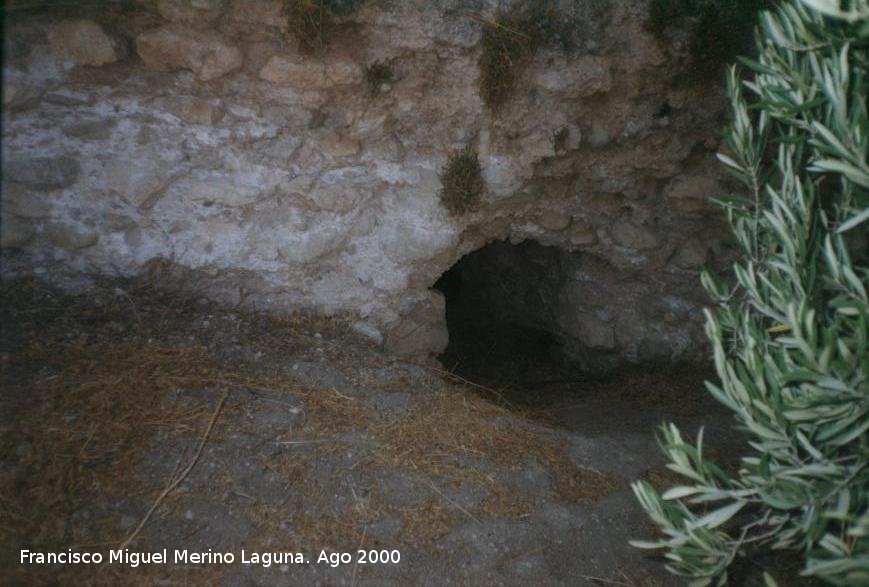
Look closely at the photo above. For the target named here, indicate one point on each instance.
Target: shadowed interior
(503, 303)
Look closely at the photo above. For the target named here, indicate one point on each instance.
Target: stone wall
(197, 132)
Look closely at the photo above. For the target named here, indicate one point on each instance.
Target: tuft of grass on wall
(559, 139)
(504, 45)
(377, 74)
(462, 181)
(314, 22)
(510, 39)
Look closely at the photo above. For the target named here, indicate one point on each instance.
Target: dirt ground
(132, 418)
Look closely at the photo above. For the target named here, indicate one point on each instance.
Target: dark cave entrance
(503, 304)
(514, 314)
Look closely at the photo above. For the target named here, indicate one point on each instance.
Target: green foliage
(377, 74)
(314, 21)
(510, 39)
(717, 29)
(462, 182)
(790, 335)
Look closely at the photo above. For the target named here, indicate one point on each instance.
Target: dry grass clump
(504, 47)
(314, 22)
(377, 74)
(559, 139)
(462, 181)
(509, 40)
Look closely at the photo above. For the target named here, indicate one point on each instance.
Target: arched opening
(504, 305)
(571, 336)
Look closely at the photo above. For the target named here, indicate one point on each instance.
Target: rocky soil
(322, 442)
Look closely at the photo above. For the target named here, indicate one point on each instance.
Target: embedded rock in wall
(84, 42)
(191, 12)
(195, 110)
(205, 53)
(421, 329)
(290, 180)
(69, 236)
(18, 96)
(264, 12)
(18, 201)
(628, 234)
(14, 232)
(308, 73)
(42, 173)
(138, 183)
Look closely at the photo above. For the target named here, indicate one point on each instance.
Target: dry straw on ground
(445, 436)
(98, 391)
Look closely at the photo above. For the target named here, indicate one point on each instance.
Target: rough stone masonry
(196, 132)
